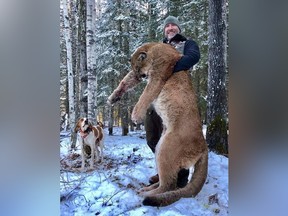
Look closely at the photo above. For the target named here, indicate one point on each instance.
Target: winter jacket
(190, 51)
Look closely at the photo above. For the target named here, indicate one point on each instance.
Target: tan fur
(182, 144)
(90, 135)
(100, 124)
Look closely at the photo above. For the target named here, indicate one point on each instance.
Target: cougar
(182, 144)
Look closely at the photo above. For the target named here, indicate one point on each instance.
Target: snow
(110, 189)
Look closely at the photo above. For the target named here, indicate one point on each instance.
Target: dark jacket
(191, 53)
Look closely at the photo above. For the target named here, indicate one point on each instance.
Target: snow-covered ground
(128, 163)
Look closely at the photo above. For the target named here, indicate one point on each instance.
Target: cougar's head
(141, 60)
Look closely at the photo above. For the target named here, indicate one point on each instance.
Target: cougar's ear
(142, 56)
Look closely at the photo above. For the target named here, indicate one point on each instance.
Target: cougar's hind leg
(167, 166)
(143, 190)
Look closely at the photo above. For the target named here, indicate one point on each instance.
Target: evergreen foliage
(122, 26)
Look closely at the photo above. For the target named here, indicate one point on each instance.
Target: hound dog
(91, 135)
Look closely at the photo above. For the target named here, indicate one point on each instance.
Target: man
(191, 55)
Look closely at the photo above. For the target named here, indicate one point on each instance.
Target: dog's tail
(190, 190)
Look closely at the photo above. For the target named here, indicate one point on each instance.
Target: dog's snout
(86, 121)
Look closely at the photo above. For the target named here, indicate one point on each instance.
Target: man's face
(171, 30)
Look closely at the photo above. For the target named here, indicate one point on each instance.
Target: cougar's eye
(142, 56)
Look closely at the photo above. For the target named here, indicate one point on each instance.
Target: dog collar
(83, 134)
(86, 132)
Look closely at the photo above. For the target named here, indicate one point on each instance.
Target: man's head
(171, 27)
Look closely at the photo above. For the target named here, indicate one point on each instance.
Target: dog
(93, 136)
(182, 144)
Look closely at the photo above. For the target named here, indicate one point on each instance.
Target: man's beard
(171, 35)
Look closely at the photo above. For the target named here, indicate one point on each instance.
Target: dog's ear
(142, 56)
(76, 128)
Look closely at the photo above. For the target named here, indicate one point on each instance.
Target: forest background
(98, 37)
(257, 107)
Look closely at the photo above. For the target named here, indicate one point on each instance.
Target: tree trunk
(111, 108)
(123, 47)
(152, 21)
(216, 136)
(98, 8)
(131, 123)
(91, 60)
(73, 27)
(70, 76)
(82, 58)
(124, 116)
(111, 120)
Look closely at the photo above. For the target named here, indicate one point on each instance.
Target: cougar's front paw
(136, 119)
(109, 101)
(112, 99)
(137, 116)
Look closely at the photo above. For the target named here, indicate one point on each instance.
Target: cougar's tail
(190, 190)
